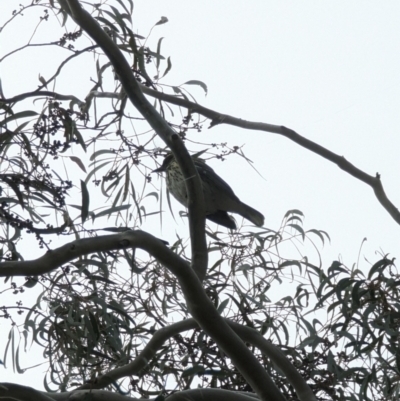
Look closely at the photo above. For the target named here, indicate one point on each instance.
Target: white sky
(330, 71)
(327, 69)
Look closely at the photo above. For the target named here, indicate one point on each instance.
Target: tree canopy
(122, 312)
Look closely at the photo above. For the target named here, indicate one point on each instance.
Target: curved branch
(198, 303)
(63, 63)
(167, 134)
(279, 359)
(219, 118)
(28, 45)
(18, 392)
(84, 105)
(55, 258)
(97, 395)
(247, 334)
(211, 394)
(54, 95)
(14, 221)
(145, 356)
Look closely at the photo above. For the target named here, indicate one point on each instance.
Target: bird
(219, 197)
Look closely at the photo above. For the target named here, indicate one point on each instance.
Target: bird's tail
(252, 215)
(223, 219)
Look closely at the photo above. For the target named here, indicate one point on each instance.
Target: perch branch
(219, 118)
(167, 134)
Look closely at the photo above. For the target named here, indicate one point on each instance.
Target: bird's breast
(176, 185)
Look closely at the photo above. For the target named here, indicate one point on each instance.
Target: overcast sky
(329, 70)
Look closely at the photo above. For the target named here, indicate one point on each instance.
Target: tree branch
(167, 134)
(219, 118)
(192, 394)
(52, 94)
(247, 334)
(198, 303)
(55, 258)
(211, 394)
(17, 392)
(63, 63)
(145, 356)
(98, 395)
(251, 336)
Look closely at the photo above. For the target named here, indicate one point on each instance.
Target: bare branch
(63, 63)
(219, 118)
(51, 94)
(26, 46)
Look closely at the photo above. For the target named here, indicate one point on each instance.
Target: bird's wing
(206, 173)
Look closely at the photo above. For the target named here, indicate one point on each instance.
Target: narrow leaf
(163, 20)
(199, 83)
(85, 201)
(158, 52)
(16, 116)
(78, 161)
(112, 210)
(169, 66)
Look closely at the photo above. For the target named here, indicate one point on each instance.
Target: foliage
(74, 167)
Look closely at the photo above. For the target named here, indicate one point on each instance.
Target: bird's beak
(161, 169)
(164, 165)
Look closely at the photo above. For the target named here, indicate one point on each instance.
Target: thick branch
(218, 118)
(53, 259)
(247, 334)
(199, 305)
(211, 394)
(17, 392)
(194, 189)
(98, 395)
(147, 354)
(251, 336)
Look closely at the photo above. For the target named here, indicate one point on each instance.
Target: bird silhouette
(219, 197)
